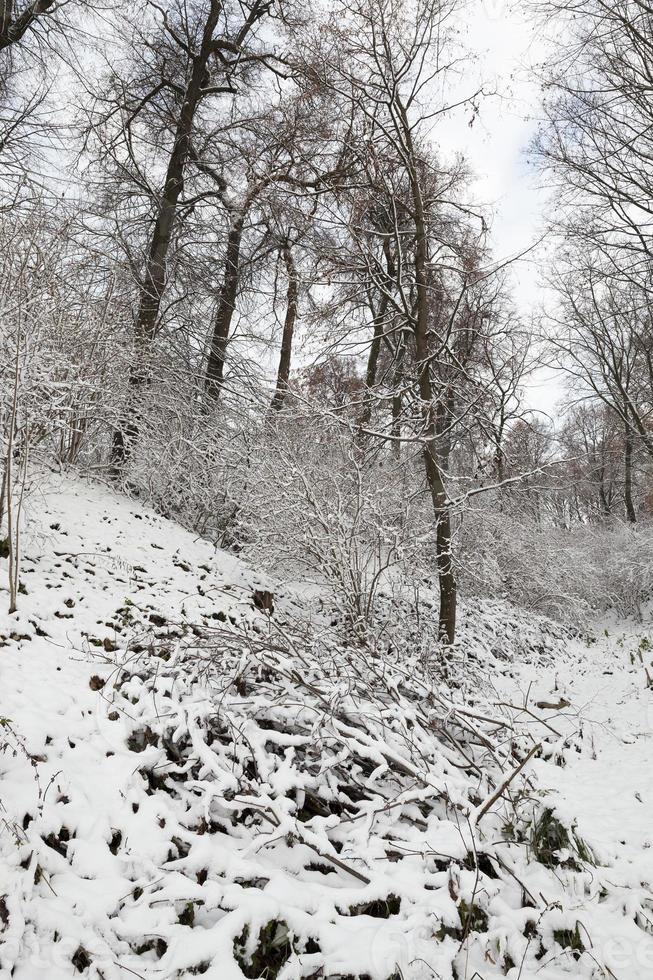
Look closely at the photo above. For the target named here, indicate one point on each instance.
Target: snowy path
(606, 789)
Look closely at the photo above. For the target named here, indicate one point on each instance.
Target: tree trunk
(448, 588)
(396, 405)
(375, 346)
(154, 280)
(395, 426)
(12, 29)
(500, 464)
(292, 297)
(434, 475)
(631, 515)
(379, 323)
(373, 360)
(3, 488)
(226, 307)
(603, 497)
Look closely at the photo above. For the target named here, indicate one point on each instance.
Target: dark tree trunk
(154, 279)
(378, 325)
(395, 427)
(448, 588)
(126, 432)
(375, 346)
(12, 29)
(226, 307)
(500, 464)
(431, 456)
(3, 488)
(396, 405)
(631, 514)
(292, 301)
(603, 497)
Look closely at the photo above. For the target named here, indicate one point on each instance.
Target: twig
(505, 784)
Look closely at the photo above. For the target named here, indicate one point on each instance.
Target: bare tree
(508, 358)
(389, 58)
(181, 60)
(603, 335)
(280, 162)
(597, 143)
(17, 20)
(590, 439)
(598, 137)
(34, 38)
(292, 305)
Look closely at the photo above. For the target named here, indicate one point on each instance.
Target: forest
(326, 557)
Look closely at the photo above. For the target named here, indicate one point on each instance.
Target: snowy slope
(193, 787)
(96, 568)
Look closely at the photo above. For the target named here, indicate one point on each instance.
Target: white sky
(508, 44)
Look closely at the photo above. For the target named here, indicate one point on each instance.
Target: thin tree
(292, 308)
(388, 61)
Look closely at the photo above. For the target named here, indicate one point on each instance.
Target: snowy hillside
(256, 295)
(200, 776)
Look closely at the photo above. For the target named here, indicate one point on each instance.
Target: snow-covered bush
(62, 341)
(345, 819)
(567, 573)
(624, 559)
(320, 508)
(193, 469)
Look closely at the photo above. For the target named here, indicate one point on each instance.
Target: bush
(564, 573)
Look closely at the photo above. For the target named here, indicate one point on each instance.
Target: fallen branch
(504, 785)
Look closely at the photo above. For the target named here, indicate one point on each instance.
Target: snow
(163, 736)
(606, 789)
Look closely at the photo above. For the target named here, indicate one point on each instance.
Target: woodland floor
(104, 874)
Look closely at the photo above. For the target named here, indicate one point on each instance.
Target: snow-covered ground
(129, 847)
(606, 788)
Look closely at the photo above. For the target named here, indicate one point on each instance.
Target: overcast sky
(508, 44)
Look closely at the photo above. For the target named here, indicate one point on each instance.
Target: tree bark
(3, 487)
(378, 329)
(154, 279)
(292, 304)
(603, 497)
(395, 427)
(226, 307)
(13, 29)
(378, 324)
(434, 475)
(373, 359)
(631, 514)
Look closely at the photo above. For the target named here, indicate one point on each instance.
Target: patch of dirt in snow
(191, 786)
